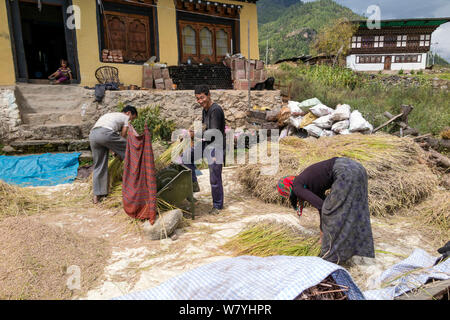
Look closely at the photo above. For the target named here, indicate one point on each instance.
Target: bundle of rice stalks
(16, 201)
(396, 168)
(173, 152)
(268, 239)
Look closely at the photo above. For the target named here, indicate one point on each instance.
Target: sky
(402, 9)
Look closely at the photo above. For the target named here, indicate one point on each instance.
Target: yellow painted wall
(88, 44)
(249, 13)
(167, 32)
(7, 75)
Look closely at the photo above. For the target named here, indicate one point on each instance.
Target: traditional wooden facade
(397, 45)
(35, 34)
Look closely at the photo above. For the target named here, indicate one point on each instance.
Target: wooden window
(369, 59)
(410, 58)
(356, 42)
(204, 42)
(189, 40)
(222, 43)
(129, 33)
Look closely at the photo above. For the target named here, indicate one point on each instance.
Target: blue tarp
(39, 170)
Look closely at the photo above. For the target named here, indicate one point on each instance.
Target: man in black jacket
(212, 145)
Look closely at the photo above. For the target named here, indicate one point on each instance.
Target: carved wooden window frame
(198, 26)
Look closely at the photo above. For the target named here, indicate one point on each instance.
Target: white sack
(313, 130)
(342, 112)
(321, 110)
(294, 106)
(309, 103)
(295, 121)
(357, 122)
(327, 133)
(339, 126)
(323, 122)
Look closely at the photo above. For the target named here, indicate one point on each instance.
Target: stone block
(168, 84)
(164, 225)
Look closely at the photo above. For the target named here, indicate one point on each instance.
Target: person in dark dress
(213, 150)
(344, 214)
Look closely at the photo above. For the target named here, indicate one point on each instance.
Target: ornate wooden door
(387, 63)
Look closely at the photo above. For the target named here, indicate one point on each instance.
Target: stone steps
(46, 118)
(44, 146)
(52, 131)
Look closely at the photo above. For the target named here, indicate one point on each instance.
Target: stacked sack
(322, 121)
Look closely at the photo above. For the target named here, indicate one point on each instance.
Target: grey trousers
(102, 140)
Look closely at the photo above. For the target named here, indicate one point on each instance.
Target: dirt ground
(137, 263)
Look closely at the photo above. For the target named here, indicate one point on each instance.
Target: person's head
(203, 96)
(130, 111)
(285, 186)
(63, 63)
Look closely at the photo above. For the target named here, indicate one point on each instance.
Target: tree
(334, 39)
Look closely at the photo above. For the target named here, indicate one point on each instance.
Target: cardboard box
(159, 84)
(168, 84)
(238, 64)
(148, 72)
(148, 83)
(239, 74)
(259, 65)
(157, 73)
(165, 73)
(243, 84)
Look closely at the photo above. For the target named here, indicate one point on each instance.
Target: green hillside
(270, 10)
(291, 33)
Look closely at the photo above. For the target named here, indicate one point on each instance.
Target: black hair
(202, 88)
(131, 109)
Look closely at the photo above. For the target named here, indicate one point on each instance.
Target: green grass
(372, 98)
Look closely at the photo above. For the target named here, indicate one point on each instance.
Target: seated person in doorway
(108, 133)
(213, 120)
(344, 214)
(62, 75)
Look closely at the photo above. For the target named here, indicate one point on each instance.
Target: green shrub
(160, 128)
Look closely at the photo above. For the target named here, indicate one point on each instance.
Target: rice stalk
(268, 239)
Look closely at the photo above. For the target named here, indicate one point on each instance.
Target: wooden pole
(248, 66)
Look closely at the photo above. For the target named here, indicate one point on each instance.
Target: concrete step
(53, 131)
(44, 146)
(52, 118)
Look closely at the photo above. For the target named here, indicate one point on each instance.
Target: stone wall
(181, 107)
(10, 119)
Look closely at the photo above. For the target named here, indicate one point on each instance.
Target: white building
(396, 45)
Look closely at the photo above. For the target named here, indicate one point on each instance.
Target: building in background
(36, 34)
(402, 44)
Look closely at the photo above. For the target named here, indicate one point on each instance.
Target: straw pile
(15, 201)
(396, 167)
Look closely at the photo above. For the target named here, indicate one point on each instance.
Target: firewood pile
(328, 289)
(112, 56)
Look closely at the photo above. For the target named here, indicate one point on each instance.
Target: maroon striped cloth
(139, 177)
